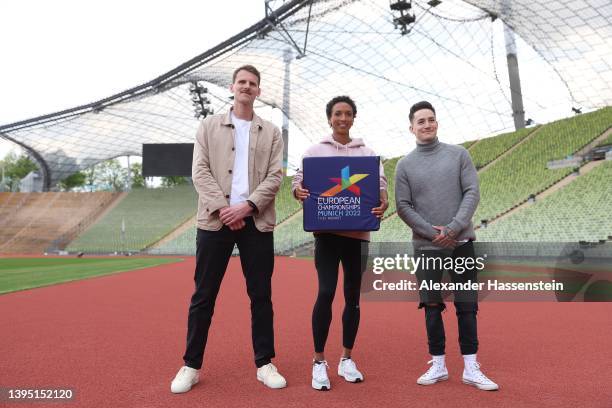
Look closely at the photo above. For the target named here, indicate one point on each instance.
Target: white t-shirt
(240, 172)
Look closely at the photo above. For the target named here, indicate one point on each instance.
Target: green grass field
(27, 273)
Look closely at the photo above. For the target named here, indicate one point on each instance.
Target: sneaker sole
(350, 379)
(276, 387)
(481, 386)
(320, 387)
(432, 382)
(182, 392)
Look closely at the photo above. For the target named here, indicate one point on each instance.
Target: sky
(64, 53)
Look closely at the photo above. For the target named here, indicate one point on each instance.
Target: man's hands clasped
(233, 216)
(445, 237)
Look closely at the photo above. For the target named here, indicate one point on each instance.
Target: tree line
(107, 175)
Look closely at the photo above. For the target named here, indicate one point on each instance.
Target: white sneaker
(437, 372)
(349, 371)
(186, 378)
(473, 376)
(320, 380)
(270, 376)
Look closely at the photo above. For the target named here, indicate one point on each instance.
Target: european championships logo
(345, 182)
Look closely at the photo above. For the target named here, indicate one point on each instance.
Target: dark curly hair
(339, 99)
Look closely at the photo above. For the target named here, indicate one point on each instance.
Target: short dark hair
(339, 99)
(418, 106)
(247, 68)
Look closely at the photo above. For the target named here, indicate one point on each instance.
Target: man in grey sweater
(436, 193)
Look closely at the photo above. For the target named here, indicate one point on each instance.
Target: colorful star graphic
(345, 182)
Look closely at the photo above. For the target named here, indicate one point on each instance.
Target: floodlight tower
(287, 58)
(516, 95)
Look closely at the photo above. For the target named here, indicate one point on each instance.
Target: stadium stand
(504, 185)
(468, 144)
(392, 229)
(148, 215)
(4, 197)
(580, 211)
(184, 244)
(510, 181)
(34, 222)
(607, 141)
(290, 235)
(389, 166)
(285, 205)
(487, 150)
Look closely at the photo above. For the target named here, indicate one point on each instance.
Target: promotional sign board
(343, 191)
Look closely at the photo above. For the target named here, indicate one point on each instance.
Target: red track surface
(118, 341)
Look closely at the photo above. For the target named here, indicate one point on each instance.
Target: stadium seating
(290, 234)
(4, 198)
(148, 215)
(468, 144)
(184, 244)
(504, 185)
(487, 150)
(392, 229)
(34, 222)
(510, 181)
(580, 211)
(287, 236)
(285, 204)
(389, 166)
(606, 141)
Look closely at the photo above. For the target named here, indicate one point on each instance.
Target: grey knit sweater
(437, 184)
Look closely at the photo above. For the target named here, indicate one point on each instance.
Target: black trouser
(330, 250)
(214, 249)
(466, 303)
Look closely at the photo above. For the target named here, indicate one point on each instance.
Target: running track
(118, 341)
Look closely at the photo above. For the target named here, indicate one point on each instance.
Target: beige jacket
(213, 161)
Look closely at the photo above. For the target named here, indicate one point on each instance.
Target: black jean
(466, 302)
(214, 249)
(330, 250)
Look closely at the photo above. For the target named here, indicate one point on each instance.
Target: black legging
(330, 250)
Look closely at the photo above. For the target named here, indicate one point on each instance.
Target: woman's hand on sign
(301, 193)
(379, 211)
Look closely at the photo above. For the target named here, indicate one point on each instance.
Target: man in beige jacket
(237, 171)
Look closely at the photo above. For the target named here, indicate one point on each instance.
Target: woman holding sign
(335, 247)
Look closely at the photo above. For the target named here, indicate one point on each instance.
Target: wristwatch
(252, 205)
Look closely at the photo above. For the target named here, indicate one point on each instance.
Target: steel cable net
(453, 55)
